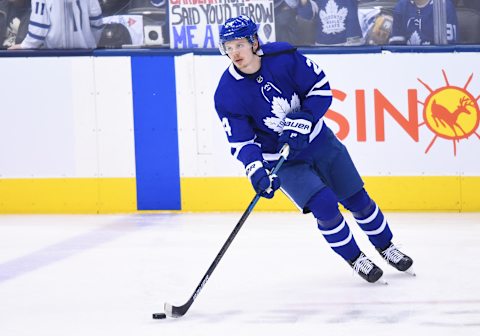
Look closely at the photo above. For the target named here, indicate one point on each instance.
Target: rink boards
(127, 133)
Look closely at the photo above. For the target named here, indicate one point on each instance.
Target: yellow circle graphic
(451, 113)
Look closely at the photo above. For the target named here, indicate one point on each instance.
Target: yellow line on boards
(68, 195)
(392, 193)
(118, 195)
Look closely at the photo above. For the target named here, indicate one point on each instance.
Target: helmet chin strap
(255, 38)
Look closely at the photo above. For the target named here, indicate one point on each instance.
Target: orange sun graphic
(450, 112)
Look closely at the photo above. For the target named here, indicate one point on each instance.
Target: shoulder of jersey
(276, 48)
(224, 84)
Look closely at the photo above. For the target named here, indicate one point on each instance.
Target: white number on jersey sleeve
(313, 65)
(226, 126)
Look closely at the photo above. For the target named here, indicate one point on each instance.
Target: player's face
(241, 53)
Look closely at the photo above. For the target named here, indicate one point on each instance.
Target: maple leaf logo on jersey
(333, 19)
(415, 39)
(280, 108)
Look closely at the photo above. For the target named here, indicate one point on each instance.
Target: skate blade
(382, 281)
(411, 272)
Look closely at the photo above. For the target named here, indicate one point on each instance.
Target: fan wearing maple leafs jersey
(63, 24)
(272, 95)
(413, 22)
(336, 21)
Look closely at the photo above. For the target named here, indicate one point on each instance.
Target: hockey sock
(370, 219)
(332, 225)
(339, 237)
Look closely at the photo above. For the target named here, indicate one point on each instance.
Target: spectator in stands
(468, 16)
(13, 21)
(290, 26)
(413, 22)
(285, 20)
(336, 21)
(63, 24)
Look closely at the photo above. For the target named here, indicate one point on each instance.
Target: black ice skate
(366, 268)
(397, 259)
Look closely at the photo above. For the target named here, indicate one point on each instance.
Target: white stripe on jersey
(317, 91)
(237, 146)
(234, 72)
(316, 130)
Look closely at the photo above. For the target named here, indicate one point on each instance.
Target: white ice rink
(106, 275)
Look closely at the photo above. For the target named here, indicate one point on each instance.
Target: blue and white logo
(157, 3)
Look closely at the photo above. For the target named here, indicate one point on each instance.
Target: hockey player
(271, 95)
(63, 24)
(413, 23)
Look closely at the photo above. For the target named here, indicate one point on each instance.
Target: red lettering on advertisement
(343, 126)
(192, 2)
(450, 112)
(382, 105)
(361, 115)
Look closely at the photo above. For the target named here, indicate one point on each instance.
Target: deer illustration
(449, 119)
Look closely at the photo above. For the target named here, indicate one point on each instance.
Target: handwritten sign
(196, 23)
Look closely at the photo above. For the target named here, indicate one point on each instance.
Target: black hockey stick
(179, 311)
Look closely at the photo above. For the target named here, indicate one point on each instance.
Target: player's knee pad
(330, 223)
(360, 204)
(324, 206)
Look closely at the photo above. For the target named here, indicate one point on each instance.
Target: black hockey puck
(159, 316)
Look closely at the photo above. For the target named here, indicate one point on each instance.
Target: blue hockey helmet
(237, 28)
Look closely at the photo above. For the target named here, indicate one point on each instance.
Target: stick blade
(168, 309)
(173, 311)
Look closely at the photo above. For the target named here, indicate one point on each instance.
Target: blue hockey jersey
(414, 26)
(252, 107)
(336, 21)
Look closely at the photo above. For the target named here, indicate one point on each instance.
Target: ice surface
(106, 275)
